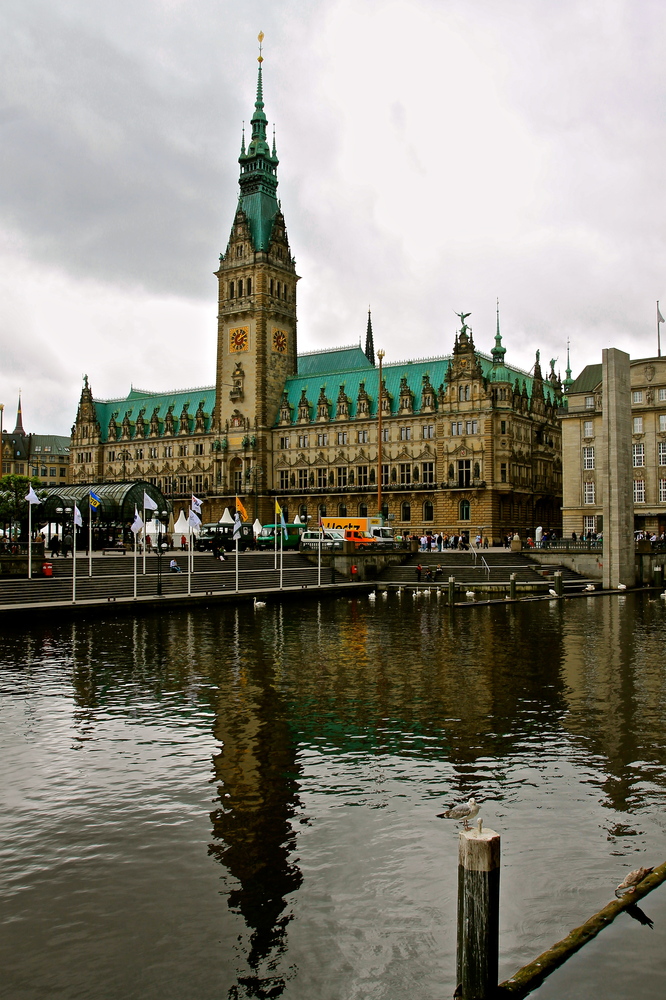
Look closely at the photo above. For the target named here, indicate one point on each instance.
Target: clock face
(238, 339)
(279, 341)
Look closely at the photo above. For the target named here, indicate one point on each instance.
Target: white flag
(78, 520)
(32, 496)
(137, 523)
(196, 504)
(148, 502)
(237, 527)
(194, 520)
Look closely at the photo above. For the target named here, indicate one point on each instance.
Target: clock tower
(256, 344)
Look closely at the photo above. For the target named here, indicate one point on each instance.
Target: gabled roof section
(140, 399)
(348, 367)
(588, 380)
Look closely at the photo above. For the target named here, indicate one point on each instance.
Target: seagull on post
(464, 812)
(629, 883)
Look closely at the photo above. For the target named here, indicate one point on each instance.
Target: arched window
(428, 511)
(231, 289)
(463, 511)
(278, 289)
(363, 510)
(322, 510)
(406, 512)
(271, 286)
(463, 393)
(240, 288)
(342, 510)
(303, 513)
(249, 286)
(384, 511)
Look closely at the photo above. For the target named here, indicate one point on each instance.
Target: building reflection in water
(253, 826)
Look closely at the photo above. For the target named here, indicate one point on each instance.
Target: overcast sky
(435, 155)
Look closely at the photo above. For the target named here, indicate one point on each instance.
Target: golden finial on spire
(260, 37)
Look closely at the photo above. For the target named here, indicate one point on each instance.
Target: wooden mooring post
(477, 956)
(512, 586)
(559, 586)
(452, 590)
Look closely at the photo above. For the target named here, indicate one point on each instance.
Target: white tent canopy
(256, 527)
(226, 517)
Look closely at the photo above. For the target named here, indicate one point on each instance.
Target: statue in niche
(199, 417)
(168, 421)
(155, 422)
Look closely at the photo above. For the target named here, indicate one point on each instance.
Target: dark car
(223, 534)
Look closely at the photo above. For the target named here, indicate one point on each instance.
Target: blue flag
(95, 501)
(284, 526)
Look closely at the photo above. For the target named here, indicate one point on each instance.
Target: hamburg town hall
(467, 440)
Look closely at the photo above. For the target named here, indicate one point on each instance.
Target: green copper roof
(138, 400)
(258, 177)
(324, 371)
(337, 360)
(588, 380)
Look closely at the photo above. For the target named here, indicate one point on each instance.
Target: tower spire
(568, 382)
(19, 418)
(369, 341)
(258, 170)
(498, 351)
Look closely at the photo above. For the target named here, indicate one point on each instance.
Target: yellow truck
(363, 531)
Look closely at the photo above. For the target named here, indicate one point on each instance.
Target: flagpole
(319, 557)
(281, 556)
(29, 535)
(144, 534)
(237, 564)
(189, 557)
(660, 320)
(90, 514)
(135, 538)
(74, 555)
(275, 539)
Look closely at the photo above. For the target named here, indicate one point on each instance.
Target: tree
(13, 491)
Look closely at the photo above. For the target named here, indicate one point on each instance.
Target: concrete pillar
(615, 470)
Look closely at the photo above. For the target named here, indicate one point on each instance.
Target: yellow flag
(241, 509)
(278, 509)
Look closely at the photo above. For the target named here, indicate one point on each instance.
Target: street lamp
(380, 355)
(160, 550)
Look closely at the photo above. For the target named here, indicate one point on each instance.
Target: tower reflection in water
(255, 838)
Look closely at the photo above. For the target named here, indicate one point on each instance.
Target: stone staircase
(467, 571)
(113, 578)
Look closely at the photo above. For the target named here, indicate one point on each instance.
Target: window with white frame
(661, 452)
(457, 427)
(588, 428)
(471, 426)
(589, 523)
(361, 475)
(588, 458)
(588, 492)
(428, 473)
(405, 470)
(662, 491)
(638, 455)
(662, 421)
(637, 425)
(362, 437)
(302, 477)
(342, 437)
(639, 491)
(303, 440)
(637, 396)
(385, 433)
(321, 477)
(284, 479)
(405, 433)
(284, 442)
(428, 431)
(322, 440)
(589, 402)
(342, 476)
(662, 395)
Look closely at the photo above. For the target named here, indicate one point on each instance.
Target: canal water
(231, 803)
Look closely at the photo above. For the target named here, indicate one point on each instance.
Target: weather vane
(260, 37)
